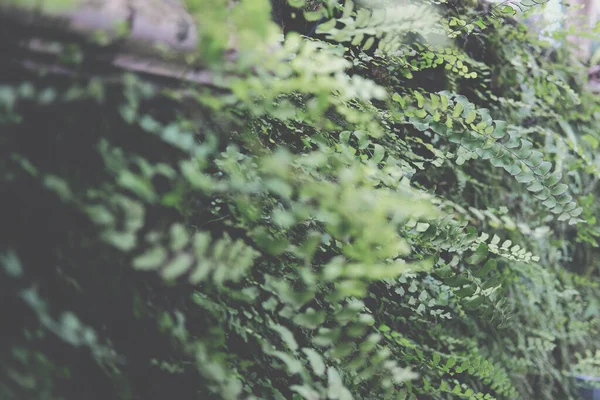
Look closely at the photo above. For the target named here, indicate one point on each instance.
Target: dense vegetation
(402, 205)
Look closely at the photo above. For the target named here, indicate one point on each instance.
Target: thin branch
(152, 24)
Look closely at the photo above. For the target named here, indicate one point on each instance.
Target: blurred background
(580, 17)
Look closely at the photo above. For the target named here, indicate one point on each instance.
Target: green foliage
(403, 206)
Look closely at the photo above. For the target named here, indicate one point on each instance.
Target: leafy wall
(401, 206)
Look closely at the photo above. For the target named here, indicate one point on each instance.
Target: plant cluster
(401, 206)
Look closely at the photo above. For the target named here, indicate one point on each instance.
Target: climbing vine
(392, 201)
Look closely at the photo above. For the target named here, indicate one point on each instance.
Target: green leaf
(487, 267)
(11, 264)
(378, 153)
(543, 194)
(335, 388)
(444, 272)
(513, 168)
(444, 102)
(458, 109)
(534, 159)
(564, 198)
(151, 259)
(313, 16)
(310, 319)
(470, 117)
(434, 100)
(550, 202)
(553, 179)
(457, 281)
(316, 361)
(178, 266)
(525, 150)
(564, 217)
(543, 168)
(485, 154)
(509, 11)
(525, 177)
(466, 291)
(420, 99)
(499, 130)
(286, 335)
(536, 187)
(363, 139)
(494, 281)
(593, 141)
(474, 303)
(559, 189)
(479, 255)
